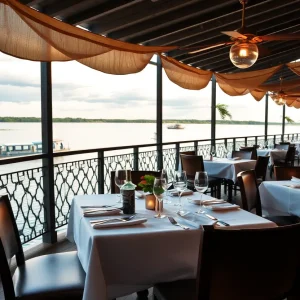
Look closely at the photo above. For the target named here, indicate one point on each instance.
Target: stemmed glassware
(168, 177)
(120, 179)
(158, 191)
(180, 182)
(201, 183)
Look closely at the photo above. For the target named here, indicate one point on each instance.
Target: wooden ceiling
(187, 23)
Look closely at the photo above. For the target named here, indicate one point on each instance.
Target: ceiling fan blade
(280, 37)
(193, 50)
(235, 34)
(263, 51)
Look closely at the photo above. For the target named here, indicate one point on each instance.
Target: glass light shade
(243, 55)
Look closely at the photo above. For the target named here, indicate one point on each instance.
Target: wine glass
(120, 179)
(180, 182)
(158, 191)
(165, 174)
(201, 183)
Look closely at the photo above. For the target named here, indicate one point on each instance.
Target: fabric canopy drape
(185, 76)
(29, 34)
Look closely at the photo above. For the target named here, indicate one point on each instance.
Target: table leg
(142, 295)
(230, 185)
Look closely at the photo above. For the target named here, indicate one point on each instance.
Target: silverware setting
(172, 220)
(124, 219)
(212, 217)
(110, 208)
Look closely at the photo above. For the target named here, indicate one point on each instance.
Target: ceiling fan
(281, 97)
(244, 51)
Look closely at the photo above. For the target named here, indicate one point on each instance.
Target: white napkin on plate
(223, 207)
(94, 212)
(139, 194)
(119, 224)
(293, 186)
(185, 193)
(206, 202)
(295, 179)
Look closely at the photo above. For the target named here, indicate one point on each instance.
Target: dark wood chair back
(249, 191)
(135, 178)
(254, 264)
(261, 167)
(290, 155)
(242, 154)
(281, 146)
(286, 173)
(10, 245)
(252, 149)
(193, 152)
(191, 164)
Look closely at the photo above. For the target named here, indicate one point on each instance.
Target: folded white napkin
(139, 194)
(185, 193)
(293, 186)
(223, 207)
(94, 212)
(206, 202)
(120, 223)
(295, 179)
(235, 158)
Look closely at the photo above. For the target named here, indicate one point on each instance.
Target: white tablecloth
(120, 261)
(226, 168)
(274, 154)
(277, 199)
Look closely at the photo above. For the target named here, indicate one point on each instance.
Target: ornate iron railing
(91, 176)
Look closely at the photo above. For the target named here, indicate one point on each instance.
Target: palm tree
(223, 111)
(289, 120)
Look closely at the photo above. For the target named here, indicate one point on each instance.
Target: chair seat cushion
(176, 290)
(283, 220)
(53, 276)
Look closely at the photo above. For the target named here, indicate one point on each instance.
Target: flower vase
(150, 201)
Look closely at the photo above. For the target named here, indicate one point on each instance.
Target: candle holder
(150, 202)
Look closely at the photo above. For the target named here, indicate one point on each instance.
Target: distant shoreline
(167, 121)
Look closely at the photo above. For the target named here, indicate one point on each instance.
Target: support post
(159, 114)
(283, 123)
(266, 115)
(101, 178)
(47, 146)
(213, 111)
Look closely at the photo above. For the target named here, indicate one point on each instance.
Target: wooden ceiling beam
(204, 30)
(143, 12)
(168, 23)
(96, 11)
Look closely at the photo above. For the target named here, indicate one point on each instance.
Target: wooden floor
(63, 245)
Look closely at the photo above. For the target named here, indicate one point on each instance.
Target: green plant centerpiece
(146, 184)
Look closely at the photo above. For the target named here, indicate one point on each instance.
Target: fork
(212, 217)
(172, 220)
(125, 219)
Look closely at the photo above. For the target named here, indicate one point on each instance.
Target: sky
(79, 91)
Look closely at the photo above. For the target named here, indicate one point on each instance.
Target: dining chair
(286, 173)
(261, 167)
(54, 276)
(194, 163)
(135, 178)
(248, 264)
(242, 154)
(251, 199)
(252, 149)
(282, 146)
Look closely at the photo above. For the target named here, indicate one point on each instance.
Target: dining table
(275, 154)
(122, 260)
(280, 198)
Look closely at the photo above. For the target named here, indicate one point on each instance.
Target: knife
(215, 219)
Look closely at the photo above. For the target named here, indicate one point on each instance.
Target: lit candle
(150, 202)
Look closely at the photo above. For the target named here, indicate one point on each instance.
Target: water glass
(120, 179)
(180, 182)
(158, 191)
(165, 174)
(201, 183)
